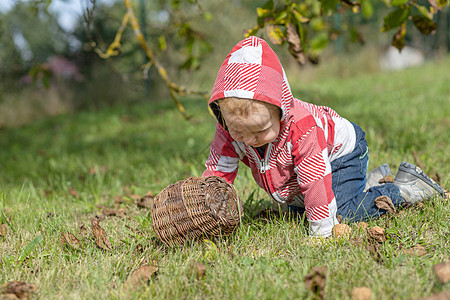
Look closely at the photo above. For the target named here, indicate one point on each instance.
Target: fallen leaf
(198, 269)
(376, 234)
(315, 281)
(140, 276)
(101, 239)
(384, 202)
(375, 252)
(3, 230)
(363, 225)
(73, 192)
(418, 250)
(69, 239)
(357, 241)
(18, 289)
(118, 200)
(341, 230)
(362, 293)
(442, 271)
(145, 202)
(134, 197)
(386, 179)
(110, 212)
(83, 230)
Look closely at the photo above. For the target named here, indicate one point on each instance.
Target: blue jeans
(349, 180)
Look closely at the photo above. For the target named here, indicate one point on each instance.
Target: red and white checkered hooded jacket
(296, 166)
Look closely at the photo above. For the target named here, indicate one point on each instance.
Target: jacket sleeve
(313, 169)
(223, 160)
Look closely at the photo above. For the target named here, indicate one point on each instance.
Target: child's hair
(244, 107)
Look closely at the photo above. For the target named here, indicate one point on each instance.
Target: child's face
(261, 127)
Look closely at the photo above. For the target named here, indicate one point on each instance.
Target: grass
(57, 174)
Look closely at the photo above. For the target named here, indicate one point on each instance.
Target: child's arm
(223, 161)
(313, 171)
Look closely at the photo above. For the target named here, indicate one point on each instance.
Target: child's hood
(252, 70)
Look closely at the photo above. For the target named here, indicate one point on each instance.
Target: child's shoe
(415, 185)
(373, 177)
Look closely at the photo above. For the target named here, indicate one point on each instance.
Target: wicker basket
(195, 207)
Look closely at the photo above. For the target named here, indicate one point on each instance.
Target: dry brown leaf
(384, 202)
(145, 202)
(442, 271)
(3, 230)
(19, 289)
(362, 293)
(111, 212)
(295, 45)
(341, 230)
(387, 179)
(140, 276)
(101, 238)
(362, 225)
(135, 197)
(73, 192)
(357, 241)
(375, 252)
(198, 269)
(84, 231)
(315, 281)
(418, 250)
(118, 200)
(376, 234)
(69, 239)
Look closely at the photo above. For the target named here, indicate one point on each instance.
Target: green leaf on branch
(280, 18)
(442, 3)
(275, 34)
(424, 11)
(423, 24)
(162, 43)
(328, 5)
(319, 42)
(399, 2)
(263, 12)
(250, 32)
(268, 5)
(398, 41)
(395, 19)
(367, 8)
(299, 17)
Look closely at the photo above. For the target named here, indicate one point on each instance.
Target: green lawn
(57, 174)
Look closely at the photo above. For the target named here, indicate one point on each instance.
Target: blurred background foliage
(47, 69)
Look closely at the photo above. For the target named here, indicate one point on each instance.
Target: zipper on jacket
(263, 162)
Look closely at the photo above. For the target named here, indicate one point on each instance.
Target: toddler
(302, 155)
